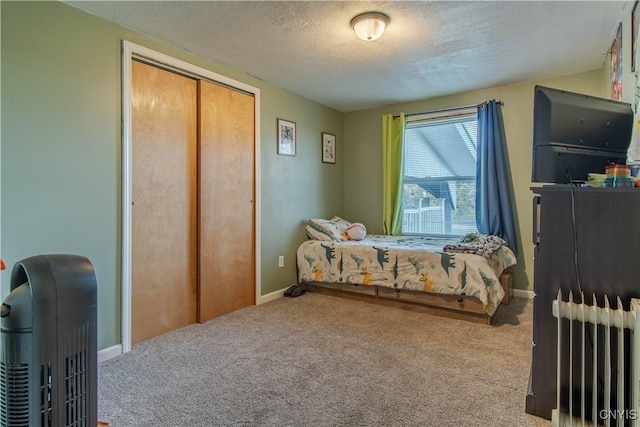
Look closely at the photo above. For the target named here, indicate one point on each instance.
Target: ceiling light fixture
(370, 26)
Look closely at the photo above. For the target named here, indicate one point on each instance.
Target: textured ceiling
(431, 48)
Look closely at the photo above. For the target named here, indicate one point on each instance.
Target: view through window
(439, 177)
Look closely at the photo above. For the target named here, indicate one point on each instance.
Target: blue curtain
(494, 214)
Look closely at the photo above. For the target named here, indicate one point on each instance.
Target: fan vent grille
(76, 389)
(14, 394)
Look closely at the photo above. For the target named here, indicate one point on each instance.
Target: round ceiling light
(370, 26)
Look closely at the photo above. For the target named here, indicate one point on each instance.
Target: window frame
(416, 121)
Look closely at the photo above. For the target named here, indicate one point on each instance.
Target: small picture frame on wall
(616, 65)
(635, 26)
(328, 148)
(286, 137)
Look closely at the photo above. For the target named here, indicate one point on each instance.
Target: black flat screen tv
(575, 134)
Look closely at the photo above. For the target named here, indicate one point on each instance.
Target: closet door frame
(130, 51)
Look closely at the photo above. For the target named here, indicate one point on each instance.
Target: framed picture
(635, 25)
(286, 138)
(616, 66)
(328, 148)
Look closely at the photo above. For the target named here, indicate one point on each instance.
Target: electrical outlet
(281, 261)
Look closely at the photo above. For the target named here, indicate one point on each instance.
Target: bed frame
(454, 306)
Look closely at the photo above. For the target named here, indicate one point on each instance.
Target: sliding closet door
(227, 236)
(164, 196)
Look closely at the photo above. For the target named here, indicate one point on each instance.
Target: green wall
(61, 150)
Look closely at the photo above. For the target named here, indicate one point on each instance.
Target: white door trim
(129, 50)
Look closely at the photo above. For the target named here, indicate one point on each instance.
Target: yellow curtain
(392, 159)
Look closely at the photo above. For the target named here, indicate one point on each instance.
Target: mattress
(407, 263)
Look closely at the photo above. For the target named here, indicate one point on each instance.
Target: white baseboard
(523, 293)
(273, 295)
(109, 352)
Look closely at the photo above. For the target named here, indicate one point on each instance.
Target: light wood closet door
(227, 237)
(164, 195)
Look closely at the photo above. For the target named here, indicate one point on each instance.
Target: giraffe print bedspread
(406, 262)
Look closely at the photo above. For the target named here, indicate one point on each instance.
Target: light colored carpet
(319, 360)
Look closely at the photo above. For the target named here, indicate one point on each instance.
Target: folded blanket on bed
(479, 244)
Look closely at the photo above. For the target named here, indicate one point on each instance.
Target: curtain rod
(466, 107)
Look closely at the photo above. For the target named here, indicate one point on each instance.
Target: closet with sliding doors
(193, 216)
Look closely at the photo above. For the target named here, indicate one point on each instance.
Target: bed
(466, 280)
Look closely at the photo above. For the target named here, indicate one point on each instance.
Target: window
(439, 178)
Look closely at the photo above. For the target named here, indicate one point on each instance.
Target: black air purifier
(48, 359)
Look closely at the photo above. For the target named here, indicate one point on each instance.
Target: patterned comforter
(406, 262)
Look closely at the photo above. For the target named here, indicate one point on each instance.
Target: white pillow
(334, 229)
(356, 231)
(341, 223)
(314, 234)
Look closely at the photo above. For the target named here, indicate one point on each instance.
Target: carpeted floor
(320, 360)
